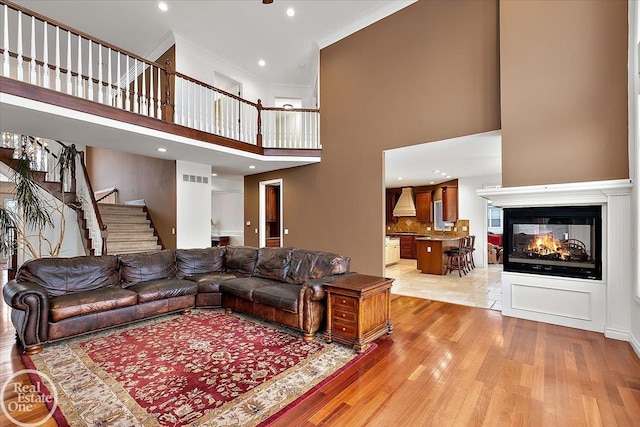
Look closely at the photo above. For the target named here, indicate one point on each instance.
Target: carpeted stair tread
(129, 229)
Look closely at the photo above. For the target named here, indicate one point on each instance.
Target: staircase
(130, 230)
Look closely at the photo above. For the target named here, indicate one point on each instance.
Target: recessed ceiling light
(448, 176)
(436, 171)
(432, 182)
(252, 167)
(163, 6)
(443, 173)
(214, 174)
(399, 178)
(291, 12)
(162, 150)
(262, 63)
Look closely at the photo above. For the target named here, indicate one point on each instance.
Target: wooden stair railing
(104, 233)
(147, 88)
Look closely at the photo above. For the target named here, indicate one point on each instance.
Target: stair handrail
(102, 231)
(104, 196)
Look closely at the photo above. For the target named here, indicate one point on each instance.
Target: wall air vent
(195, 178)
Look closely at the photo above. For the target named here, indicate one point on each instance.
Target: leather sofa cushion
(199, 261)
(243, 287)
(143, 267)
(240, 260)
(273, 263)
(81, 303)
(283, 296)
(309, 265)
(62, 276)
(162, 289)
(210, 282)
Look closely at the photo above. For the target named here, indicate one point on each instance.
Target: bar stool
(470, 249)
(456, 258)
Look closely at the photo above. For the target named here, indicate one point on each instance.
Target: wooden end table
(358, 310)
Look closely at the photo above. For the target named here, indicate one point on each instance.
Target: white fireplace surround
(595, 305)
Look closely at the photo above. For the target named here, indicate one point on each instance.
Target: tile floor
(482, 287)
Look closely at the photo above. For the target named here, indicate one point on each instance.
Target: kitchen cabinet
(391, 251)
(392, 199)
(423, 207)
(408, 247)
(450, 204)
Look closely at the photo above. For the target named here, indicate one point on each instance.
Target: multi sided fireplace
(556, 240)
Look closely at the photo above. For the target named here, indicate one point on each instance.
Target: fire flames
(545, 245)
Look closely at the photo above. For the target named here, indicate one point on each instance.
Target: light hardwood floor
(447, 364)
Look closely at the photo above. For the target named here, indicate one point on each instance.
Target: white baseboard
(635, 344)
(617, 334)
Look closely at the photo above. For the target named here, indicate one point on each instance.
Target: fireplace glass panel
(559, 241)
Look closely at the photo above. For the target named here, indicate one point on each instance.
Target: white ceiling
(464, 157)
(238, 31)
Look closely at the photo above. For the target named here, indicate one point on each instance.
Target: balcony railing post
(168, 104)
(259, 134)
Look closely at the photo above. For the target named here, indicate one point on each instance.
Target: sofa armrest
(316, 286)
(31, 302)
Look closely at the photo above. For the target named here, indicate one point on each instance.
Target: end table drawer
(344, 329)
(338, 301)
(345, 316)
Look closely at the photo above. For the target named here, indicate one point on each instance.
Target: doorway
(271, 214)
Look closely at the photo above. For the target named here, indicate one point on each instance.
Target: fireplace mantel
(578, 193)
(596, 305)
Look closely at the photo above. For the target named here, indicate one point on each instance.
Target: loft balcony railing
(51, 55)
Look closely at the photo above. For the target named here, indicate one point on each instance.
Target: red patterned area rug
(206, 368)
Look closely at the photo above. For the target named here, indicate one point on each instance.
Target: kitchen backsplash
(409, 224)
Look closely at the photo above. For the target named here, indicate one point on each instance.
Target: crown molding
(161, 47)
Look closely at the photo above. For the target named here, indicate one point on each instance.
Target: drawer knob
(344, 301)
(343, 315)
(344, 329)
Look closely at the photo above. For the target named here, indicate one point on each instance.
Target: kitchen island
(431, 253)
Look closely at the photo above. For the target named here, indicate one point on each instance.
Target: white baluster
(136, 107)
(33, 77)
(127, 101)
(100, 67)
(119, 95)
(6, 68)
(19, 69)
(189, 122)
(208, 109)
(159, 96)
(90, 73)
(45, 56)
(109, 91)
(145, 110)
(152, 111)
(69, 86)
(80, 91)
(57, 53)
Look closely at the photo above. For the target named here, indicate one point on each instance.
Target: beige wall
(138, 177)
(563, 68)
(426, 73)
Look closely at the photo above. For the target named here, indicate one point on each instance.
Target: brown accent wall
(426, 73)
(138, 177)
(563, 67)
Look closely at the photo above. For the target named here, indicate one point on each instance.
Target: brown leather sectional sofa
(55, 298)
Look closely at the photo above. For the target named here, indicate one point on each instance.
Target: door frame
(262, 237)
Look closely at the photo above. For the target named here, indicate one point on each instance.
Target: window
(438, 223)
(494, 219)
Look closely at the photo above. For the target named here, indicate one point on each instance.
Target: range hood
(405, 206)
